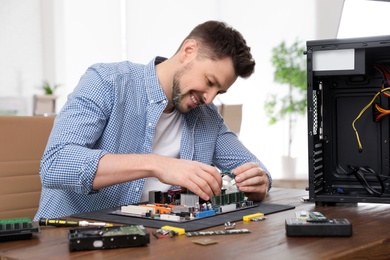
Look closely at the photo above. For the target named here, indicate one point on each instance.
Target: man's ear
(189, 49)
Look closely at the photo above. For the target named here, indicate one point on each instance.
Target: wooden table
(370, 239)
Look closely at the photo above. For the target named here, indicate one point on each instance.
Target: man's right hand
(202, 179)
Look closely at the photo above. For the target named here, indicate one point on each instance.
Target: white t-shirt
(166, 142)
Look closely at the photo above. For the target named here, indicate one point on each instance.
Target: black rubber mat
(108, 215)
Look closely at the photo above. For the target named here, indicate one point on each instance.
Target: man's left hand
(253, 180)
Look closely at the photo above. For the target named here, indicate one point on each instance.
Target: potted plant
(49, 89)
(45, 104)
(289, 63)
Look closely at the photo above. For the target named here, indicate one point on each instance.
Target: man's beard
(177, 96)
(176, 93)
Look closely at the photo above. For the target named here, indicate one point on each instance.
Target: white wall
(91, 33)
(59, 39)
(20, 50)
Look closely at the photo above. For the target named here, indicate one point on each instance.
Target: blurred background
(57, 40)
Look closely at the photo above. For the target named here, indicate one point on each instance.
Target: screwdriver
(71, 223)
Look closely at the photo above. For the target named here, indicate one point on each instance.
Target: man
(129, 128)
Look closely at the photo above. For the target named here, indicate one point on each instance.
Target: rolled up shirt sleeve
(72, 153)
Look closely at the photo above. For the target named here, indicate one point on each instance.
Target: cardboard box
(232, 115)
(23, 140)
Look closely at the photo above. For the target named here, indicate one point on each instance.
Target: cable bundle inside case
(359, 173)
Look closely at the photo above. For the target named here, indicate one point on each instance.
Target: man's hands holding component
(201, 179)
(206, 181)
(253, 180)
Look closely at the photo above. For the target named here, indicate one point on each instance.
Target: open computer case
(349, 120)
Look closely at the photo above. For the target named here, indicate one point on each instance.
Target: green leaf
(289, 64)
(48, 89)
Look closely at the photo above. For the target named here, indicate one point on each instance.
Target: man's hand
(202, 179)
(253, 180)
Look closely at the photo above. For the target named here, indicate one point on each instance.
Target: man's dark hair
(217, 40)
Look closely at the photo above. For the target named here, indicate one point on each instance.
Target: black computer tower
(348, 124)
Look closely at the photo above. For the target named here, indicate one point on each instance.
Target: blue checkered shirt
(114, 109)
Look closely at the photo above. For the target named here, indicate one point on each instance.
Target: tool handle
(58, 222)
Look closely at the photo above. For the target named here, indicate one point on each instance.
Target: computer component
(17, 229)
(339, 227)
(218, 232)
(316, 216)
(107, 237)
(348, 110)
